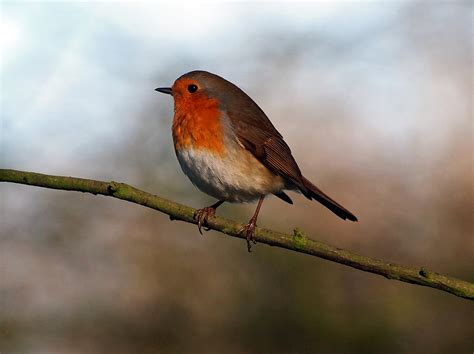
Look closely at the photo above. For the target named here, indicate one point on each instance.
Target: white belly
(237, 176)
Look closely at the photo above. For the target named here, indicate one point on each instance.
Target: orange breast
(197, 124)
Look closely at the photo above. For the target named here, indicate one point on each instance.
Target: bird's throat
(197, 124)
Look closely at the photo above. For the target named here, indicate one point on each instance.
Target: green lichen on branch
(297, 242)
(299, 238)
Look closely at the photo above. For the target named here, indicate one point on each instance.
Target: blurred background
(375, 99)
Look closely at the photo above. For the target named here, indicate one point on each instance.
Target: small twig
(297, 242)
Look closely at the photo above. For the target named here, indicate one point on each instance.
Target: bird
(229, 149)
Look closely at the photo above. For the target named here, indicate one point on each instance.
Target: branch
(297, 242)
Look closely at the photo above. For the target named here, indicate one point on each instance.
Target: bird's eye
(192, 88)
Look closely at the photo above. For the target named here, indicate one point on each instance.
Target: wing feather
(258, 135)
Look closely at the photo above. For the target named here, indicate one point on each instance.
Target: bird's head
(200, 88)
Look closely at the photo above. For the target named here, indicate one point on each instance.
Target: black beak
(166, 90)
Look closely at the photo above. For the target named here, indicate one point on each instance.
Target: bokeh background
(375, 99)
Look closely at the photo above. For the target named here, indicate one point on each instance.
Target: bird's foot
(249, 231)
(202, 215)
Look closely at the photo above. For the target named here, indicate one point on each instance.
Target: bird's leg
(249, 229)
(201, 215)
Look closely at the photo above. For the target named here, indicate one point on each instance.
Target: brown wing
(255, 131)
(258, 135)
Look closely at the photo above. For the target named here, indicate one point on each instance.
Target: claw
(249, 231)
(201, 217)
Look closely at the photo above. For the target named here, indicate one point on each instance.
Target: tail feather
(283, 196)
(313, 192)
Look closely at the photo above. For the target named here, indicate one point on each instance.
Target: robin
(230, 150)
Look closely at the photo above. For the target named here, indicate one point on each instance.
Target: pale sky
(70, 71)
